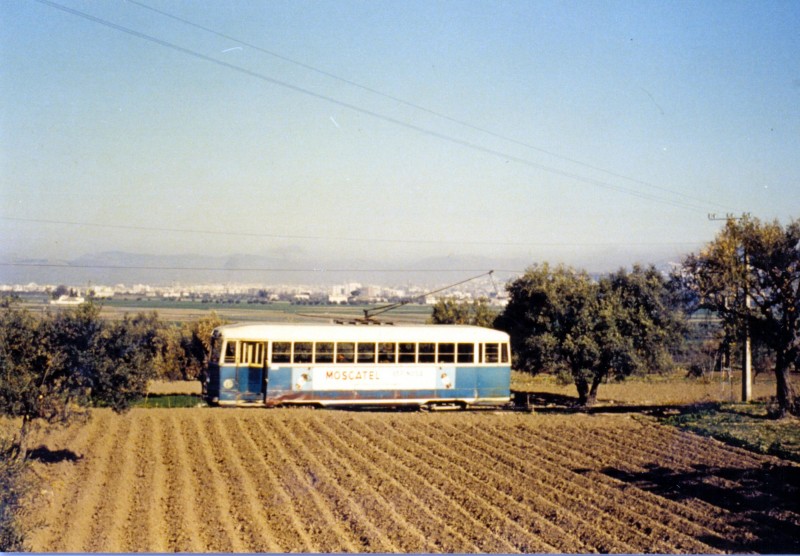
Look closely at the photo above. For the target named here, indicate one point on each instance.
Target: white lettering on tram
(352, 374)
(373, 378)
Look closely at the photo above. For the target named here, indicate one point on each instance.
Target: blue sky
(591, 133)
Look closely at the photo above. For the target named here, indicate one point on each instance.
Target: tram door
(250, 372)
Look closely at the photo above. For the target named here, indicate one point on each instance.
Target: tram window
(386, 352)
(281, 352)
(408, 353)
(491, 353)
(504, 353)
(302, 352)
(230, 352)
(366, 352)
(466, 353)
(323, 352)
(427, 353)
(252, 353)
(345, 352)
(447, 353)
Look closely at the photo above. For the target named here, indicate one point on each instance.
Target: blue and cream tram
(332, 364)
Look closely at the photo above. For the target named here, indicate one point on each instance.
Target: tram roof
(361, 332)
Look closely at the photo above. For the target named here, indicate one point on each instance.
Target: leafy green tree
(74, 334)
(637, 325)
(123, 363)
(542, 313)
(560, 320)
(196, 342)
(52, 366)
(35, 385)
(51, 369)
(170, 360)
(451, 311)
(37, 380)
(762, 261)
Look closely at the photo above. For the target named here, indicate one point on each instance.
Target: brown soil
(336, 481)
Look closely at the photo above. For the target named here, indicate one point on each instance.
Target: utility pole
(747, 357)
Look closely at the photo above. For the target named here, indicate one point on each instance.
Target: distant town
(349, 293)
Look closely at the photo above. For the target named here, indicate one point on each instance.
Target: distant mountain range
(115, 267)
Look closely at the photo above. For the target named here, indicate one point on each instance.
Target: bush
(13, 488)
(38, 379)
(124, 365)
(196, 344)
(51, 369)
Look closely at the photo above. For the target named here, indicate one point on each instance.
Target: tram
(349, 364)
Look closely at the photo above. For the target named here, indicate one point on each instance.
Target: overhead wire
(376, 115)
(321, 270)
(195, 231)
(421, 108)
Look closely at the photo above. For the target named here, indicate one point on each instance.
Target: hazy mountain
(115, 267)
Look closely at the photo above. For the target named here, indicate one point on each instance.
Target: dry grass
(674, 389)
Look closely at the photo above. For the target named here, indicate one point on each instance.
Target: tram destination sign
(377, 378)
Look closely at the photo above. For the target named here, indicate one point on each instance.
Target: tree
(51, 370)
(35, 384)
(542, 313)
(450, 311)
(639, 325)
(761, 261)
(560, 320)
(170, 361)
(52, 367)
(59, 291)
(35, 381)
(196, 342)
(123, 362)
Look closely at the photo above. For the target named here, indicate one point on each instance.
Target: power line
(247, 269)
(422, 108)
(336, 238)
(376, 115)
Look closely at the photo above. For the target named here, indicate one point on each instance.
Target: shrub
(13, 487)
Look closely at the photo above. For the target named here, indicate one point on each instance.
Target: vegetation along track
(341, 481)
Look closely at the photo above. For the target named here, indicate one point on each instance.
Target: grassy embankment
(709, 407)
(742, 424)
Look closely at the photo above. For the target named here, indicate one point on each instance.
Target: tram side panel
(230, 384)
(388, 384)
(352, 384)
(243, 385)
(493, 384)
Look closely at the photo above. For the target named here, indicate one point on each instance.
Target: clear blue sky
(615, 127)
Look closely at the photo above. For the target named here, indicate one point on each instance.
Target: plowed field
(336, 481)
